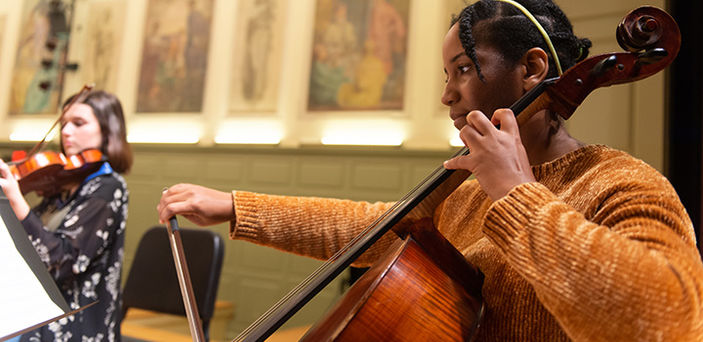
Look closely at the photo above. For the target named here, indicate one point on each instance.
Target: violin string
(86, 88)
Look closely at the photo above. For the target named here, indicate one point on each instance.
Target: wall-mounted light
(249, 132)
(364, 134)
(32, 132)
(163, 134)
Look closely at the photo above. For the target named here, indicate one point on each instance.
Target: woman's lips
(459, 119)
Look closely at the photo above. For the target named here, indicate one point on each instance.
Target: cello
(372, 309)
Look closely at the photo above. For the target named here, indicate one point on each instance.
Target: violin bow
(81, 94)
(191, 308)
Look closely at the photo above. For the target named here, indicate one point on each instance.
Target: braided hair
(507, 29)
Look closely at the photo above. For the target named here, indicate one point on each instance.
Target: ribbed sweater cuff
(246, 223)
(506, 218)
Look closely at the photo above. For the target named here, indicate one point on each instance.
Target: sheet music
(24, 300)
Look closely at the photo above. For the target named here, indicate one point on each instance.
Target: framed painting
(359, 55)
(256, 61)
(174, 57)
(38, 76)
(103, 29)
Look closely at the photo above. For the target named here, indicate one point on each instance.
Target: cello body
(419, 291)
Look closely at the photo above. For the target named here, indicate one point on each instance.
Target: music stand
(30, 297)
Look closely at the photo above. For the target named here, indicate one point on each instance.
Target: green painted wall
(254, 277)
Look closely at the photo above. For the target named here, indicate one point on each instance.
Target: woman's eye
(461, 69)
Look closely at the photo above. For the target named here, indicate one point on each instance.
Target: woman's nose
(449, 96)
(66, 129)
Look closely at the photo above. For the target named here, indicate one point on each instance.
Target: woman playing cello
(576, 241)
(79, 232)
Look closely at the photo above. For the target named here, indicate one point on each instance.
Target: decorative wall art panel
(359, 55)
(103, 37)
(257, 56)
(174, 58)
(37, 79)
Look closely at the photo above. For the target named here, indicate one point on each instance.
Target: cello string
(352, 243)
(584, 70)
(518, 107)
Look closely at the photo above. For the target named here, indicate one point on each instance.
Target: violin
(50, 172)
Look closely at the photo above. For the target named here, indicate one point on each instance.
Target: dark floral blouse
(84, 256)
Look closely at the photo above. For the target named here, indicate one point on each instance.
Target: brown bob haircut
(108, 111)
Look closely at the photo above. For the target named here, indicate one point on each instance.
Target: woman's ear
(536, 66)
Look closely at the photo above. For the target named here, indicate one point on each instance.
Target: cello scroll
(651, 39)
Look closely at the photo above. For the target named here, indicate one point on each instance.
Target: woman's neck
(546, 139)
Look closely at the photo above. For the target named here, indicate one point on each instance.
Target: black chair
(152, 283)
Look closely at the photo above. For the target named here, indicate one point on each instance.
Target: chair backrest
(152, 283)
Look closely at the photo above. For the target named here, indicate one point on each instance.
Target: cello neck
(421, 201)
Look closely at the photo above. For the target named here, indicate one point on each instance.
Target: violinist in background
(576, 241)
(79, 233)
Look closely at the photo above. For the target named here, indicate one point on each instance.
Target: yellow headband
(541, 30)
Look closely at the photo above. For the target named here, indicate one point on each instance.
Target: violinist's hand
(12, 190)
(498, 158)
(200, 205)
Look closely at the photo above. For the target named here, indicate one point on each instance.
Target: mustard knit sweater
(598, 249)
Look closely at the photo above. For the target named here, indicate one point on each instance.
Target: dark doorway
(685, 104)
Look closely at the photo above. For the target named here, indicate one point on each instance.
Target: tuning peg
(604, 65)
(651, 56)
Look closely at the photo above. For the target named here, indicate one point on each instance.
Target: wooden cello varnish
(420, 292)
